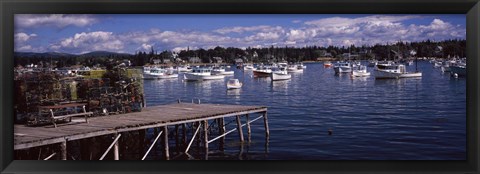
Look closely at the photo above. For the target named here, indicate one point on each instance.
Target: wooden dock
(151, 117)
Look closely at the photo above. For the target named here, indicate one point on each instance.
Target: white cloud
(21, 42)
(238, 29)
(57, 20)
(91, 41)
(23, 37)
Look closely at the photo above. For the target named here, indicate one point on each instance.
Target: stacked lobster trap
(115, 93)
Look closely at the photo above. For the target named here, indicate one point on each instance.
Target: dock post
(116, 156)
(239, 128)
(184, 134)
(249, 131)
(177, 139)
(221, 130)
(265, 121)
(63, 150)
(165, 141)
(205, 136)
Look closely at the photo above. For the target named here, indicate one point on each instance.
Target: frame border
(10, 7)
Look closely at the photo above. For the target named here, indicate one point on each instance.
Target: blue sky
(129, 33)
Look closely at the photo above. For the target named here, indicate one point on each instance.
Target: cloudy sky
(130, 33)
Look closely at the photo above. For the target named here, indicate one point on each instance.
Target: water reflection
(279, 85)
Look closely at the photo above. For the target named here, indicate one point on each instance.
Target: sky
(130, 33)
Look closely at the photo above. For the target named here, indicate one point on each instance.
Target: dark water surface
(405, 119)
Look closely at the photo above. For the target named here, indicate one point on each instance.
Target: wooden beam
(239, 128)
(265, 122)
(249, 131)
(151, 146)
(205, 136)
(193, 138)
(110, 147)
(116, 155)
(63, 150)
(165, 141)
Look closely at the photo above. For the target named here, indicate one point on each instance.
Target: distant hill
(58, 55)
(103, 54)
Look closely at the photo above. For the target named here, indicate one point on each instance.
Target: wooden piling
(63, 150)
(239, 128)
(265, 122)
(249, 131)
(205, 135)
(184, 134)
(165, 141)
(116, 155)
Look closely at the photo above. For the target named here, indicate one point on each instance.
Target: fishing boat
(293, 69)
(262, 71)
(234, 84)
(221, 71)
(327, 64)
(199, 74)
(360, 71)
(394, 71)
(184, 68)
(248, 67)
(342, 67)
(460, 69)
(159, 73)
(280, 74)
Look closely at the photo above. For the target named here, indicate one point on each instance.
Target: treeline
(400, 49)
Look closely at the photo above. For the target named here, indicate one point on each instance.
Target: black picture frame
(10, 7)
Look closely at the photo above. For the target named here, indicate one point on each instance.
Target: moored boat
(280, 74)
(361, 71)
(234, 84)
(262, 71)
(393, 71)
(342, 67)
(221, 71)
(199, 74)
(159, 73)
(327, 64)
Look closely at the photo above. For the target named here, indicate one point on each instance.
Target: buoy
(455, 75)
(330, 131)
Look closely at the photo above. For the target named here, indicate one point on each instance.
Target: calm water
(405, 119)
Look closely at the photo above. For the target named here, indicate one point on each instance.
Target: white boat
(159, 73)
(394, 71)
(221, 71)
(248, 67)
(342, 67)
(293, 69)
(280, 74)
(361, 71)
(199, 74)
(184, 68)
(234, 84)
(262, 71)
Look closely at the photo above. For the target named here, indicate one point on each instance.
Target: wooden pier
(160, 117)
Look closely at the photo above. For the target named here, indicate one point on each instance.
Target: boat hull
(395, 75)
(342, 69)
(276, 76)
(164, 76)
(261, 74)
(360, 73)
(195, 77)
(460, 71)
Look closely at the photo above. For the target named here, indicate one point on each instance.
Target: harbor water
(368, 119)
